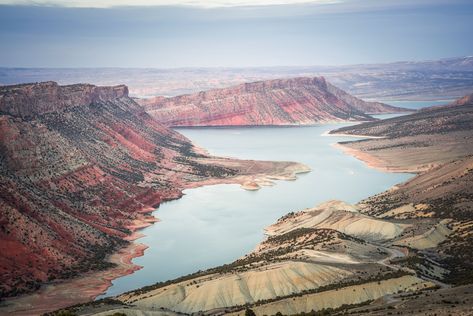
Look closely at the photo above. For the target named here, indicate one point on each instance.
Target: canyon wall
(272, 102)
(80, 168)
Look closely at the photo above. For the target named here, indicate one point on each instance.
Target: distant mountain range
(272, 102)
(426, 80)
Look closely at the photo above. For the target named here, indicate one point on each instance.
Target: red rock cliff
(78, 164)
(272, 102)
(40, 98)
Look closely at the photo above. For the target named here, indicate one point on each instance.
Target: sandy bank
(327, 133)
(375, 162)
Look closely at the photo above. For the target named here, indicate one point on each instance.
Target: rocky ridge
(27, 100)
(466, 100)
(272, 102)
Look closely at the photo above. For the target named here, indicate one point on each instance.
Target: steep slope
(273, 102)
(436, 120)
(80, 166)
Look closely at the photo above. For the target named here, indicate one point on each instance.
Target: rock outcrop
(272, 102)
(27, 100)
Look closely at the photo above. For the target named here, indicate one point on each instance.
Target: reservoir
(217, 224)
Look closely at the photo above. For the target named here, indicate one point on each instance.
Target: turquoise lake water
(213, 225)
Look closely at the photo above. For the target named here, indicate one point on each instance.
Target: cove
(217, 224)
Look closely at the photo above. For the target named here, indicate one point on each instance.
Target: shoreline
(370, 160)
(87, 287)
(79, 290)
(376, 163)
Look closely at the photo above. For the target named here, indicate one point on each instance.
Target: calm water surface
(214, 225)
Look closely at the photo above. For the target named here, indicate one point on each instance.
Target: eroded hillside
(81, 167)
(272, 102)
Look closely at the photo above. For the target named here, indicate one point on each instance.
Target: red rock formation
(272, 102)
(78, 166)
(31, 99)
(466, 100)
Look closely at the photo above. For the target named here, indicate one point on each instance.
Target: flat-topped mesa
(290, 101)
(27, 100)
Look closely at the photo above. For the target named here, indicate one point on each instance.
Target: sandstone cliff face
(273, 102)
(31, 99)
(78, 167)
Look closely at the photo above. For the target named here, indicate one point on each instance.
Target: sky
(230, 33)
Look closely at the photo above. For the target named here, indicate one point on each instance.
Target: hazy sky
(232, 33)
